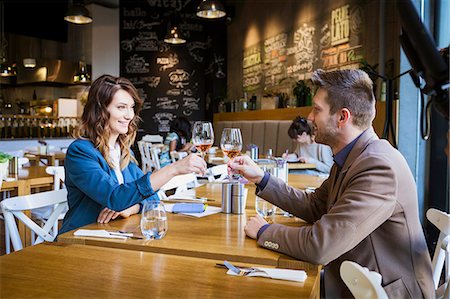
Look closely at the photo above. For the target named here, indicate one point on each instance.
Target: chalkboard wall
(173, 80)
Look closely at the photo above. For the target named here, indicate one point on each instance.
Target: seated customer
(366, 211)
(177, 139)
(103, 179)
(307, 150)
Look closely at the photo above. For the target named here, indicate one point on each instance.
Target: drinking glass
(231, 142)
(265, 209)
(153, 220)
(203, 136)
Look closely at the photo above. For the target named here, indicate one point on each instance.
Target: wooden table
(219, 236)
(214, 190)
(51, 158)
(54, 270)
(296, 166)
(28, 178)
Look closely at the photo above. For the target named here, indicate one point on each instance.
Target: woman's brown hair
(94, 120)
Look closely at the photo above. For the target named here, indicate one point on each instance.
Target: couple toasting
(368, 201)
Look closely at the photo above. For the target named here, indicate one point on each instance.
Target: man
(366, 211)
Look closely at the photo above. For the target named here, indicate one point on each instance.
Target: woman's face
(304, 138)
(121, 112)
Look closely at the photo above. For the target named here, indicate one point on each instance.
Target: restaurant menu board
(334, 41)
(170, 78)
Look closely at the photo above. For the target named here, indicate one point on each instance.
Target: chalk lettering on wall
(179, 78)
(166, 103)
(134, 12)
(356, 19)
(340, 25)
(142, 93)
(253, 70)
(167, 62)
(337, 57)
(163, 119)
(173, 4)
(196, 50)
(190, 104)
(325, 39)
(304, 51)
(177, 92)
(136, 80)
(147, 106)
(216, 67)
(152, 81)
(138, 24)
(136, 65)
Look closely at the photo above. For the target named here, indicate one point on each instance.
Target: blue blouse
(92, 185)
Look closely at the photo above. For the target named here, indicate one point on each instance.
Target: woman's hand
(189, 164)
(106, 215)
(245, 166)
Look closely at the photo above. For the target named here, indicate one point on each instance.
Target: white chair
(146, 162)
(218, 170)
(42, 214)
(441, 256)
(180, 182)
(153, 138)
(15, 207)
(153, 153)
(175, 156)
(362, 283)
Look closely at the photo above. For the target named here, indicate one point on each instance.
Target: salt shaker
(226, 197)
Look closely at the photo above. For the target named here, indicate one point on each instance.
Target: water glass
(153, 220)
(265, 209)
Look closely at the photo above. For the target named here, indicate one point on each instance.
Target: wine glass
(203, 136)
(231, 142)
(153, 220)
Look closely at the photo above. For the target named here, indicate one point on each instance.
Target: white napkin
(208, 211)
(283, 274)
(99, 233)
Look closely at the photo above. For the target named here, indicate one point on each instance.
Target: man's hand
(253, 225)
(245, 166)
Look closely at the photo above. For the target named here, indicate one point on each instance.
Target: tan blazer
(367, 213)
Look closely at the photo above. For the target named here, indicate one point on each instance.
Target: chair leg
(7, 241)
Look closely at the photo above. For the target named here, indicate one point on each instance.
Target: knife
(126, 235)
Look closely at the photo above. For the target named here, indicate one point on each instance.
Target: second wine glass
(203, 136)
(231, 142)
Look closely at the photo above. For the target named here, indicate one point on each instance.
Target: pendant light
(6, 70)
(211, 9)
(174, 36)
(78, 14)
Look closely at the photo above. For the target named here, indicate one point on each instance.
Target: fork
(242, 271)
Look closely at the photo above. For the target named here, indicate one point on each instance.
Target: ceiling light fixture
(211, 9)
(29, 62)
(6, 70)
(174, 36)
(78, 14)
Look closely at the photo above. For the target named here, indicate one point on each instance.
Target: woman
(177, 139)
(103, 179)
(307, 150)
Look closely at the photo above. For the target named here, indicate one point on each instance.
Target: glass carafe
(153, 220)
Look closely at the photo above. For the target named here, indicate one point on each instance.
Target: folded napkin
(208, 211)
(283, 274)
(99, 233)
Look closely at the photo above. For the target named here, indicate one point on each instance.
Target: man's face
(325, 125)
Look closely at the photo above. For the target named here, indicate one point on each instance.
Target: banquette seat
(266, 134)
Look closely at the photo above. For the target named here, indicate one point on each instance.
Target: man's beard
(326, 135)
